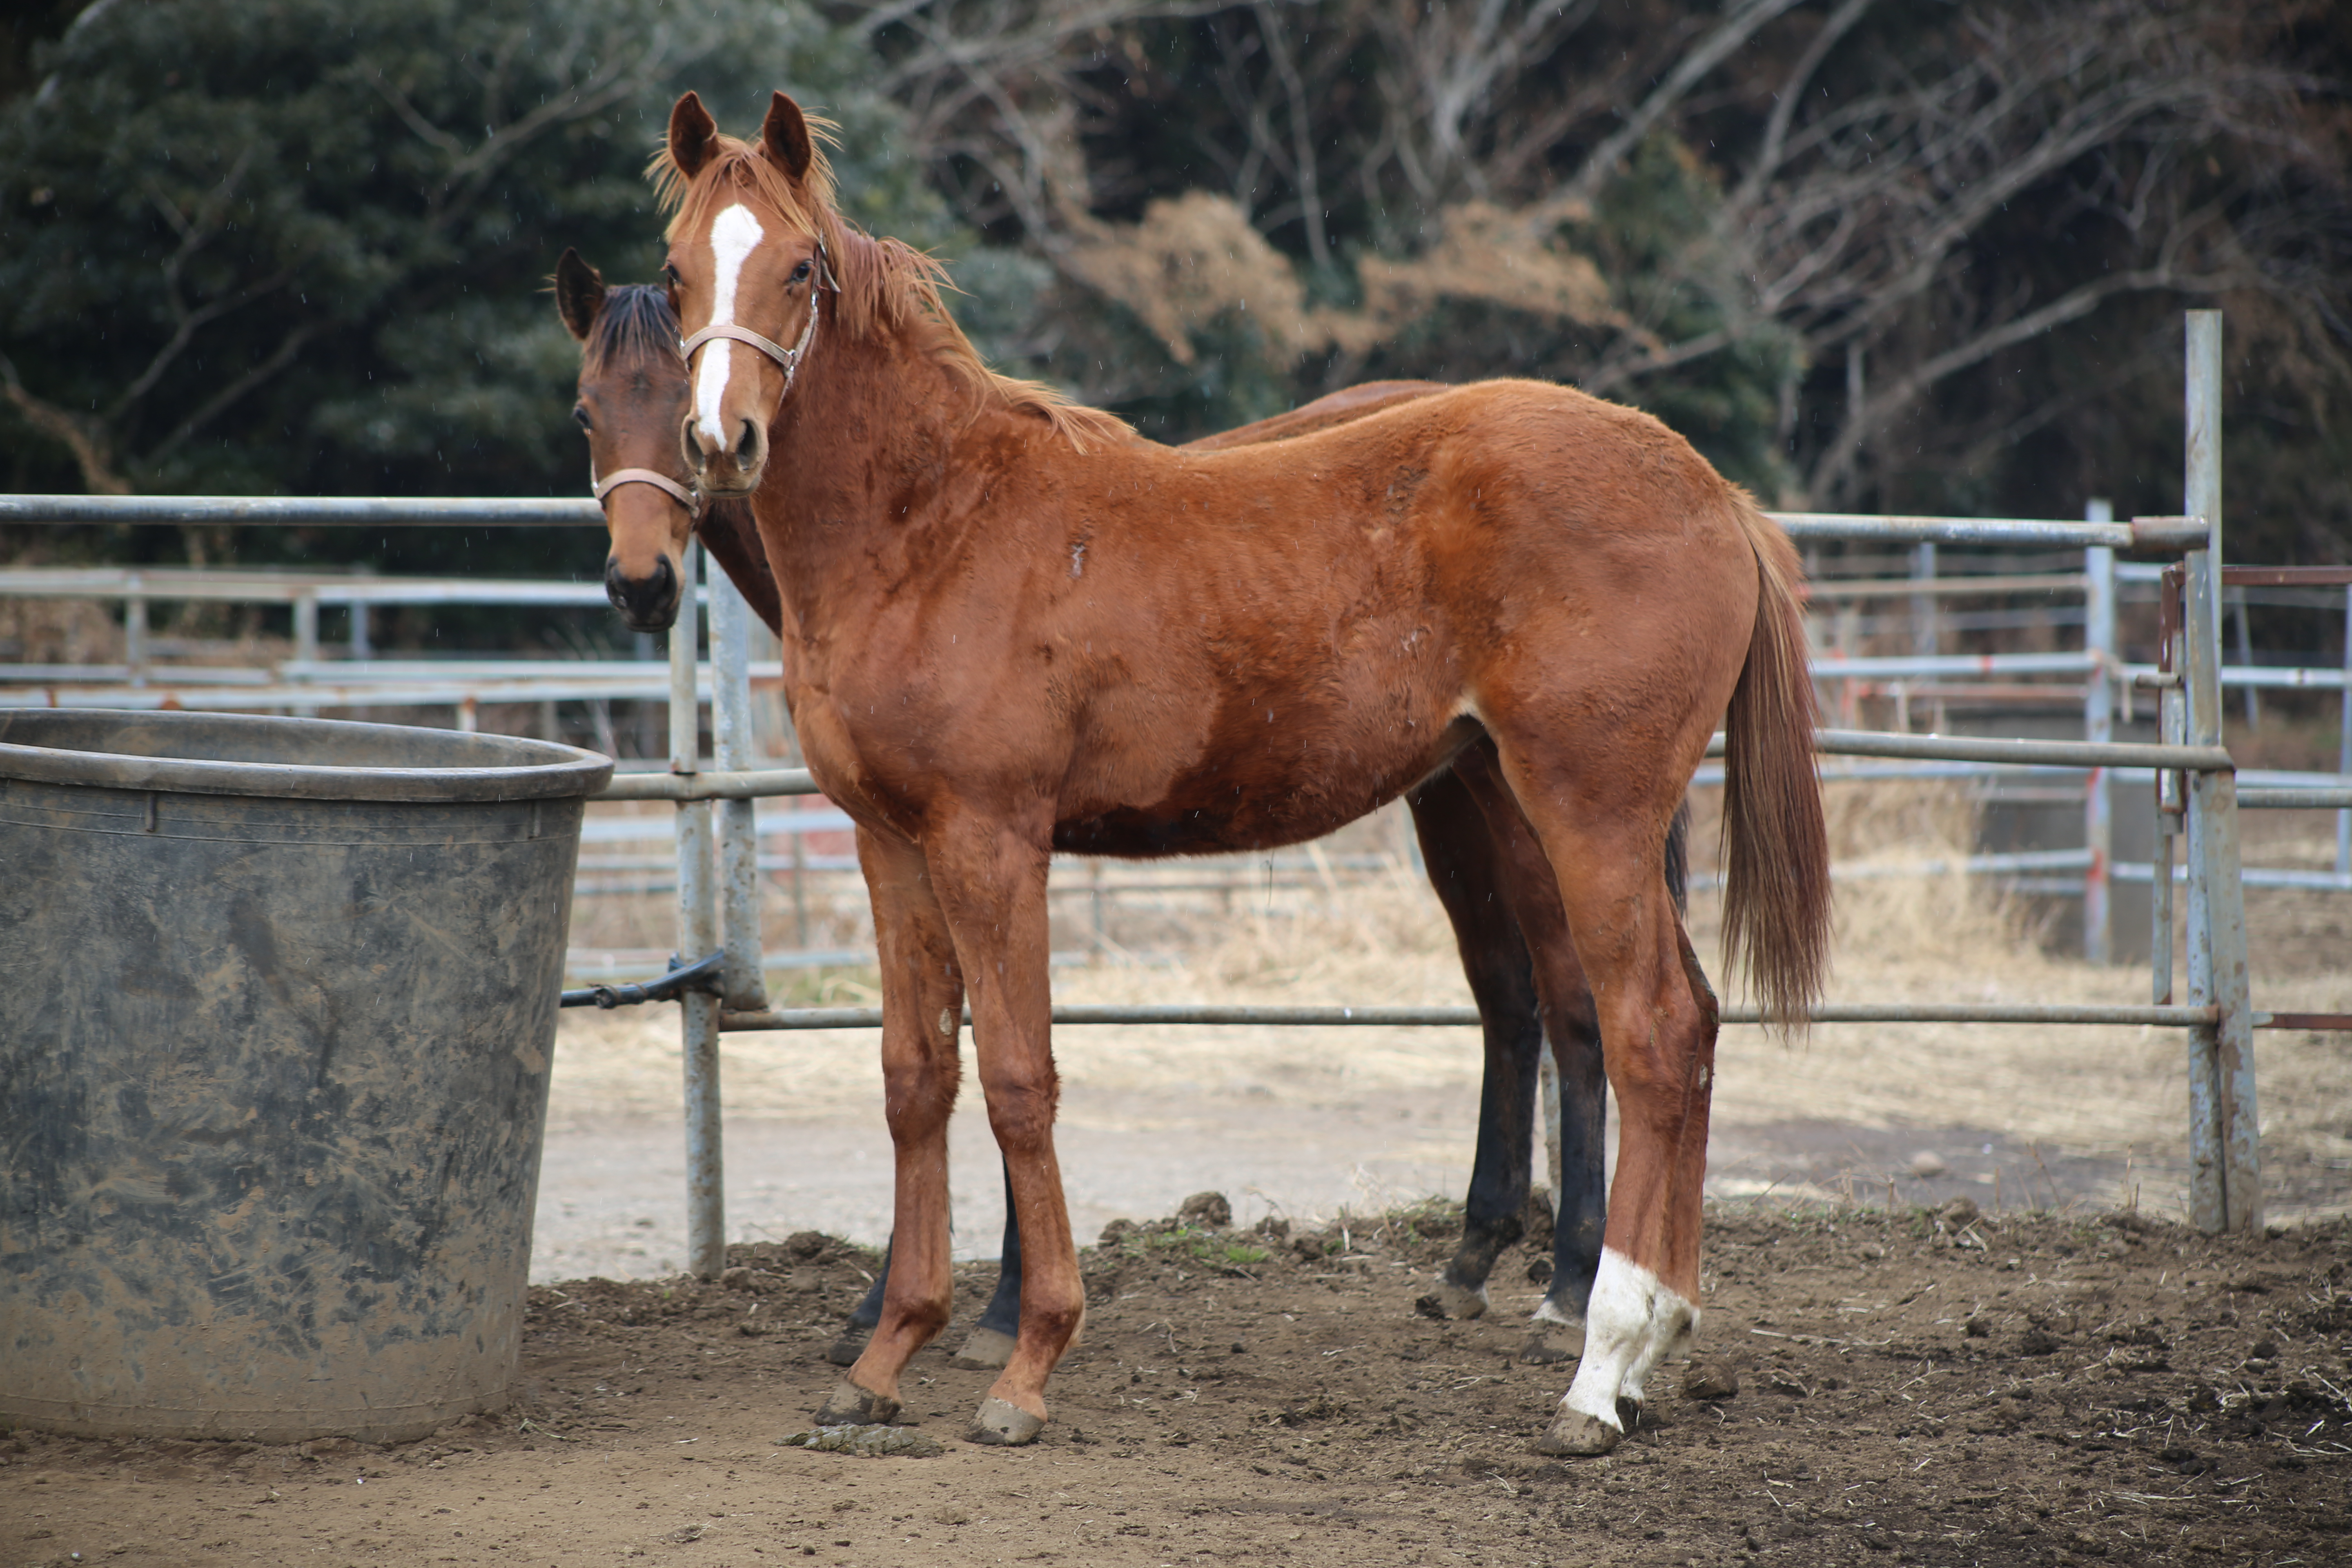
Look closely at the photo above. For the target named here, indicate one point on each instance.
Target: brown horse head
(751, 250)
(631, 397)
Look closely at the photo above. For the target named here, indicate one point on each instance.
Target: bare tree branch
(85, 438)
(289, 347)
(1741, 22)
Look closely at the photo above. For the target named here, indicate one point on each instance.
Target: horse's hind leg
(1575, 1032)
(1459, 855)
(1604, 837)
(922, 1000)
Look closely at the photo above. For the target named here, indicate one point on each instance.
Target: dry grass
(59, 631)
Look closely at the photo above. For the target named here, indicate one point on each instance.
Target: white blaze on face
(734, 233)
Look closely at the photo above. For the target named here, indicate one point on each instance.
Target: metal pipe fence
(717, 858)
(309, 683)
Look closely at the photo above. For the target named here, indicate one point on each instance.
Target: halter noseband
(686, 498)
(790, 358)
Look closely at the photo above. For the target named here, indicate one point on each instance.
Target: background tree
(1866, 254)
(300, 246)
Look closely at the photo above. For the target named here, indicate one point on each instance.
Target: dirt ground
(1911, 1388)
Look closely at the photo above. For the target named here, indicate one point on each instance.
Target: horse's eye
(669, 275)
(800, 273)
(580, 416)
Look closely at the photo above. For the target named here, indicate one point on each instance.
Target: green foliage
(1181, 1240)
(299, 246)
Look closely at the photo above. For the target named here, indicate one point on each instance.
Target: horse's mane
(886, 285)
(634, 324)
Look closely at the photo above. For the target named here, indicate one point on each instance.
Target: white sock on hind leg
(1630, 1322)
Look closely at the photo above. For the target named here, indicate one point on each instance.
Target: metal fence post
(2098, 727)
(698, 934)
(2225, 1178)
(2344, 748)
(739, 833)
(2171, 729)
(1924, 639)
(2201, 477)
(306, 640)
(134, 633)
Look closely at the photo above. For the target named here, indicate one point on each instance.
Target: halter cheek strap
(789, 358)
(686, 498)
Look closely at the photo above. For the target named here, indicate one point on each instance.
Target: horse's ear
(692, 134)
(785, 134)
(579, 293)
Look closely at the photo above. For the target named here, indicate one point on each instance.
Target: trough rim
(553, 770)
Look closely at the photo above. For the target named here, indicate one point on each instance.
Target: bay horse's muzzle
(647, 604)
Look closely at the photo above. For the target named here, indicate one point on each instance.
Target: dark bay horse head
(631, 395)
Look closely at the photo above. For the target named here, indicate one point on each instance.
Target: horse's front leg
(922, 1002)
(991, 878)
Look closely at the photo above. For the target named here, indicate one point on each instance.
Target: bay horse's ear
(692, 133)
(785, 134)
(579, 293)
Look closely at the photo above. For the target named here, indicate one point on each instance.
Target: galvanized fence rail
(718, 909)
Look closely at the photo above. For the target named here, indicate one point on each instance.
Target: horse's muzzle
(733, 472)
(647, 604)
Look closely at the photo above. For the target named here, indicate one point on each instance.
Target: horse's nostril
(648, 602)
(747, 445)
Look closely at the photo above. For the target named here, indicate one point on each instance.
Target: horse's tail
(1776, 893)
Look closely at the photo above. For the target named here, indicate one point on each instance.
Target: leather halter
(686, 498)
(789, 358)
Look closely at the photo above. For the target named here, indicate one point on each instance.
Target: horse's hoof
(845, 1350)
(850, 1405)
(1458, 1300)
(1552, 1337)
(987, 1350)
(1005, 1424)
(1575, 1435)
(1628, 1413)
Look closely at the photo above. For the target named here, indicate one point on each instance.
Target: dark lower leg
(1004, 1313)
(1493, 1219)
(990, 1342)
(1583, 1178)
(851, 1344)
(1460, 852)
(868, 1311)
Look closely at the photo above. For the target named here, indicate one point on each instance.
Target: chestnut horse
(631, 395)
(1012, 625)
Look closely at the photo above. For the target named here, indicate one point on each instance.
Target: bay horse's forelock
(995, 644)
(1484, 876)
